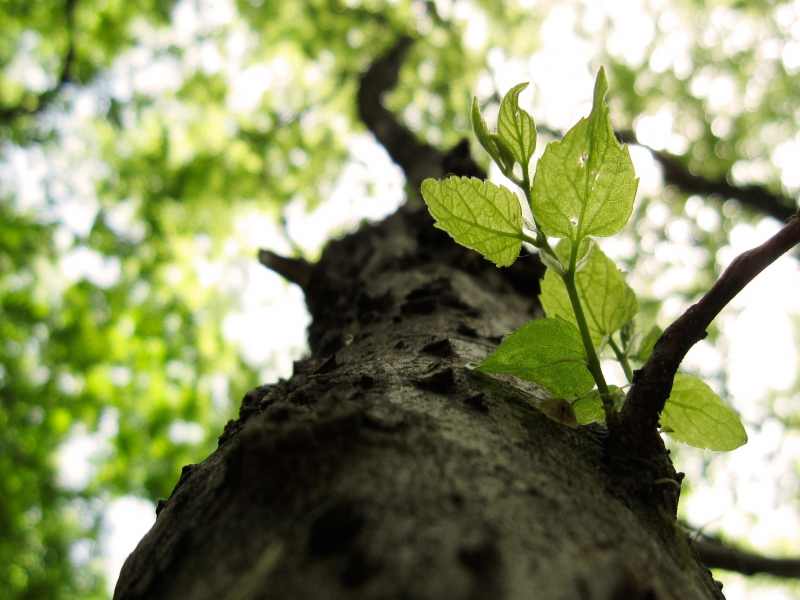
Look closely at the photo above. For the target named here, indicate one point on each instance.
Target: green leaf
(608, 301)
(699, 417)
(589, 409)
(548, 352)
(477, 214)
(482, 133)
(585, 184)
(647, 344)
(516, 127)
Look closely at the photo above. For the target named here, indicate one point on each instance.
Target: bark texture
(383, 469)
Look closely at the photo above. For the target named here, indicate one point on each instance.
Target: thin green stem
(591, 356)
(541, 240)
(623, 359)
(593, 362)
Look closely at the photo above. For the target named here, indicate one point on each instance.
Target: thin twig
(652, 383)
(753, 196)
(418, 160)
(716, 555)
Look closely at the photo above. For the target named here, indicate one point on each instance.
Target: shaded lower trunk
(384, 469)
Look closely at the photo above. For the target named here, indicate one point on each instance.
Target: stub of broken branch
(295, 270)
(652, 383)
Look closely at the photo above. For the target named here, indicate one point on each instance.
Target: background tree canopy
(146, 148)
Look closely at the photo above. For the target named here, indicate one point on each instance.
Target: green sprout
(583, 188)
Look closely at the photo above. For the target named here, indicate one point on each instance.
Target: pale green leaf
(589, 409)
(477, 214)
(548, 352)
(516, 127)
(699, 417)
(585, 184)
(608, 301)
(645, 348)
(482, 133)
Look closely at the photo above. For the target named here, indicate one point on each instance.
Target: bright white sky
(746, 493)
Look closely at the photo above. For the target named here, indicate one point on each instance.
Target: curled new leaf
(552, 262)
(515, 127)
(481, 131)
(506, 163)
(548, 352)
(697, 416)
(477, 214)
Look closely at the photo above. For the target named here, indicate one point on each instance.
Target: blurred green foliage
(165, 122)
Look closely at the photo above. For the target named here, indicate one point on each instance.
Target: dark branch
(418, 160)
(715, 555)
(295, 270)
(652, 383)
(65, 76)
(756, 197)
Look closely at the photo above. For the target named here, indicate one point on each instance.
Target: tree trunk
(385, 469)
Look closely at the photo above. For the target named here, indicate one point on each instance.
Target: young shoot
(583, 188)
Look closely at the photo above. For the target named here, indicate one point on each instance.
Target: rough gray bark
(384, 469)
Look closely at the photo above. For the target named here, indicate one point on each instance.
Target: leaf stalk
(593, 362)
(622, 358)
